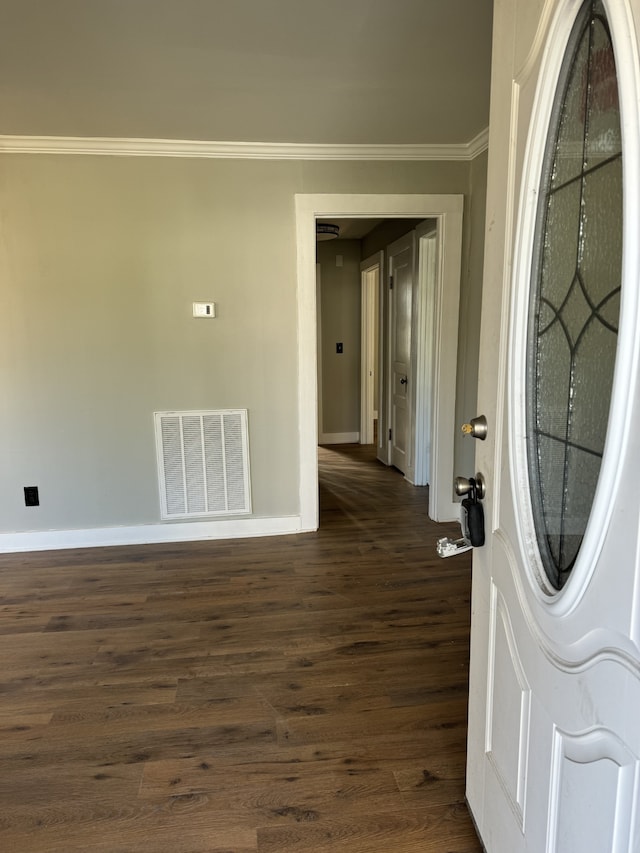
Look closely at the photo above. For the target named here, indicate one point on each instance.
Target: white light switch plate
(204, 310)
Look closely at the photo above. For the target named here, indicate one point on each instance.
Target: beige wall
(340, 305)
(100, 260)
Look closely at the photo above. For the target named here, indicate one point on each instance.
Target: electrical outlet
(31, 496)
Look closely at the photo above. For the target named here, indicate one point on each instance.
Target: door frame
(369, 334)
(424, 353)
(319, 344)
(447, 210)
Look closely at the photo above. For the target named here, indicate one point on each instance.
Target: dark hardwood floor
(302, 693)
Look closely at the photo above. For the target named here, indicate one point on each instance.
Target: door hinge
(390, 282)
(390, 434)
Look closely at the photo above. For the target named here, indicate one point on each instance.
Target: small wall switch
(204, 310)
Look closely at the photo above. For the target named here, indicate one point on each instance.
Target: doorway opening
(446, 212)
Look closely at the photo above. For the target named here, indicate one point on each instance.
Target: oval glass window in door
(575, 294)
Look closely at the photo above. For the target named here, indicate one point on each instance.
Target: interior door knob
(403, 381)
(476, 428)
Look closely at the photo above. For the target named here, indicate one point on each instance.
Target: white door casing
(423, 352)
(319, 345)
(400, 259)
(554, 726)
(446, 210)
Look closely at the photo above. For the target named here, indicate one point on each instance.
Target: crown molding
(478, 145)
(238, 150)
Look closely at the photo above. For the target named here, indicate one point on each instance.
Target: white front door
(554, 714)
(400, 256)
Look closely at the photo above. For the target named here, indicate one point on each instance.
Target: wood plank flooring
(293, 694)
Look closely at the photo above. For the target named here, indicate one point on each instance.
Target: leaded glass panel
(575, 294)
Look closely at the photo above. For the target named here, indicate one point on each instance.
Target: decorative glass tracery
(575, 293)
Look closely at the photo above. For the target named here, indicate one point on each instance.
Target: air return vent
(203, 463)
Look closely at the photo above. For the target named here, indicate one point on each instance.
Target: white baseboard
(339, 438)
(148, 534)
(449, 512)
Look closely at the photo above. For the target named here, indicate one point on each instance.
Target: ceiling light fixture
(326, 231)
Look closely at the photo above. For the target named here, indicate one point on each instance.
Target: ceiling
(360, 72)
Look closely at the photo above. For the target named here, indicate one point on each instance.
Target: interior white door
(370, 271)
(554, 713)
(400, 259)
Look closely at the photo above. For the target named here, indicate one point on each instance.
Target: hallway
(301, 693)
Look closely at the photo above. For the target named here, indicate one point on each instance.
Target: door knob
(464, 486)
(403, 381)
(476, 428)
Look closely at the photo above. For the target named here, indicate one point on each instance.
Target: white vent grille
(203, 463)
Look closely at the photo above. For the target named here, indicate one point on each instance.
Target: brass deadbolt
(476, 428)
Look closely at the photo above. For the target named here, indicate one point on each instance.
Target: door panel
(401, 259)
(370, 283)
(554, 731)
(509, 707)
